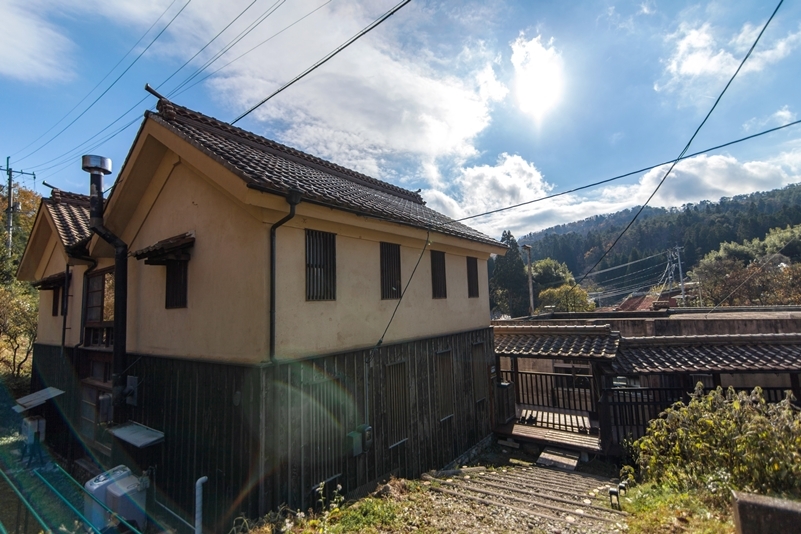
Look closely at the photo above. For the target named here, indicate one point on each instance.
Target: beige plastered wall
(358, 316)
(50, 327)
(227, 317)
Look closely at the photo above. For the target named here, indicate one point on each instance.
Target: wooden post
(515, 370)
(795, 386)
(716, 380)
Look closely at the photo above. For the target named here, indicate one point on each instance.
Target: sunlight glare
(539, 75)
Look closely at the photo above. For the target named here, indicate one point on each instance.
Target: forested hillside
(699, 228)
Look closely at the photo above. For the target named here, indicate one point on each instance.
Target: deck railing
(554, 390)
(626, 412)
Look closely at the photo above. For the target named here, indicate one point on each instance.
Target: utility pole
(527, 248)
(13, 207)
(681, 276)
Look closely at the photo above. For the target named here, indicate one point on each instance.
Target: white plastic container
(126, 498)
(97, 487)
(32, 425)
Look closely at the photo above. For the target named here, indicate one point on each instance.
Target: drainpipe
(97, 166)
(293, 199)
(199, 504)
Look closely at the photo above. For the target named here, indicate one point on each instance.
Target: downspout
(64, 309)
(293, 199)
(97, 166)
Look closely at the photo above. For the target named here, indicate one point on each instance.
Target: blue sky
(479, 104)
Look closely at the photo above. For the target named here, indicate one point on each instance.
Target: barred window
(397, 399)
(321, 273)
(438, 284)
(390, 271)
(472, 278)
(176, 284)
(445, 384)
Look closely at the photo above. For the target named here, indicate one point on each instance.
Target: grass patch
(368, 515)
(659, 509)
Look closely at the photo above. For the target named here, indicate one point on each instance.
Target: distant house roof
(709, 354)
(70, 213)
(274, 168)
(558, 342)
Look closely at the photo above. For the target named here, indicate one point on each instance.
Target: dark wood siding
(363, 391)
(268, 435)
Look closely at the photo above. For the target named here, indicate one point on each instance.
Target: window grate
(390, 271)
(177, 283)
(438, 284)
(472, 278)
(397, 399)
(320, 265)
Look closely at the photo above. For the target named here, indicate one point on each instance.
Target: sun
(539, 76)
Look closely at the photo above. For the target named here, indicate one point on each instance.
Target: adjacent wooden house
(289, 322)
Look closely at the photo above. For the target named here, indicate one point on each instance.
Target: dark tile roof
(561, 342)
(271, 167)
(709, 354)
(70, 212)
(166, 246)
(51, 282)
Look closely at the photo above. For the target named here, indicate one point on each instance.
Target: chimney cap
(96, 164)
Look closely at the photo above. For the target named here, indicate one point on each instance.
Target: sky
(480, 104)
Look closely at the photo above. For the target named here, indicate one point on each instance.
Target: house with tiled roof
(286, 322)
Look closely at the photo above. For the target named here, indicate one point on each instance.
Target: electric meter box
(97, 487)
(32, 425)
(126, 497)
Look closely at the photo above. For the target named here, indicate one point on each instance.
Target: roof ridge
(57, 196)
(170, 111)
(714, 339)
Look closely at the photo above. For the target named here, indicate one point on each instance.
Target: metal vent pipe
(97, 166)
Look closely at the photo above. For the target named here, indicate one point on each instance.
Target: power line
(623, 265)
(626, 175)
(325, 59)
(112, 83)
(186, 88)
(100, 82)
(252, 26)
(687, 146)
(208, 43)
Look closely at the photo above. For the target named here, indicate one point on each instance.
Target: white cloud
(699, 62)
(780, 117)
(31, 48)
(539, 75)
(513, 180)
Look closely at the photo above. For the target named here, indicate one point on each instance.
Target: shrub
(724, 440)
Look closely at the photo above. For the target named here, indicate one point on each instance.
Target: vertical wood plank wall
(295, 411)
(267, 435)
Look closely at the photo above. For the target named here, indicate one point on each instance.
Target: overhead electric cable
(208, 43)
(252, 26)
(175, 91)
(687, 146)
(322, 61)
(624, 264)
(626, 175)
(112, 83)
(100, 82)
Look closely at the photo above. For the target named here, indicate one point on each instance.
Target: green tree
(548, 274)
(508, 284)
(566, 298)
(19, 315)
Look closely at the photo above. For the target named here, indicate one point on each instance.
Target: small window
(472, 278)
(480, 377)
(390, 271)
(321, 272)
(397, 389)
(176, 284)
(438, 285)
(100, 298)
(445, 384)
(56, 307)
